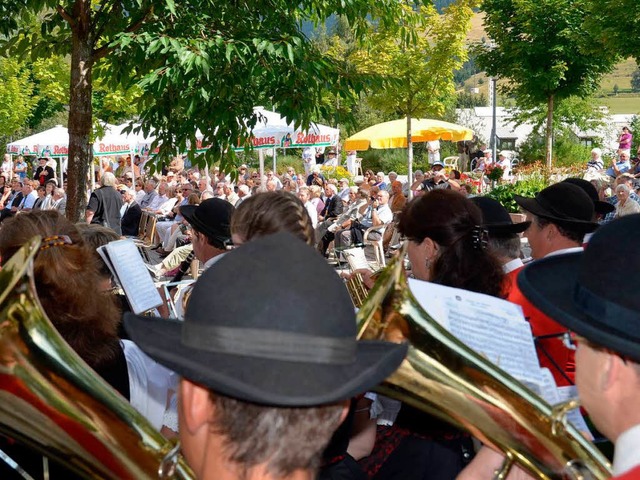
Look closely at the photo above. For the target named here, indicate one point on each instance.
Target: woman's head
(447, 245)
(622, 192)
(50, 186)
(268, 213)
(67, 282)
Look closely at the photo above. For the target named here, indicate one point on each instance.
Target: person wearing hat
(504, 162)
(267, 379)
(585, 295)
(331, 159)
(600, 208)
(436, 179)
(560, 216)
(504, 238)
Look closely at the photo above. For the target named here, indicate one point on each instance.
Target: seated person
(595, 164)
(619, 166)
(377, 213)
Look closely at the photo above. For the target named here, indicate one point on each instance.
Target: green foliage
(16, 100)
(567, 152)
(635, 81)
(527, 188)
(616, 23)
(542, 49)
(388, 160)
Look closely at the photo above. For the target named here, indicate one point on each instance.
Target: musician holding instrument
(264, 402)
(560, 216)
(70, 288)
(447, 245)
(583, 293)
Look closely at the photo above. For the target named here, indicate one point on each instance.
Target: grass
(621, 104)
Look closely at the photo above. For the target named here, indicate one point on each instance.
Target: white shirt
(562, 251)
(313, 213)
(150, 387)
(512, 265)
(627, 454)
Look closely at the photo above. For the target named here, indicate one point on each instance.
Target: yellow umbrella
(394, 134)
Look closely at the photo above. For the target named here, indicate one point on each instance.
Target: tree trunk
(80, 111)
(549, 132)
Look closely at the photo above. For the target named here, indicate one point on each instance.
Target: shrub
(528, 187)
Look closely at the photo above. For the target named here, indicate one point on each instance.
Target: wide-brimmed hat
(562, 203)
(496, 219)
(270, 323)
(212, 217)
(586, 293)
(600, 206)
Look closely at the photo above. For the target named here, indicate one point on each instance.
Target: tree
(540, 47)
(614, 23)
(418, 78)
(16, 100)
(635, 80)
(198, 64)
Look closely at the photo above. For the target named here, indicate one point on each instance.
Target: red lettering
(57, 150)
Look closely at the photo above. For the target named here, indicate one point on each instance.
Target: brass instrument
(51, 401)
(447, 379)
(358, 291)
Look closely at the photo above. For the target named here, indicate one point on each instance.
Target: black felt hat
(585, 292)
(270, 323)
(496, 219)
(600, 206)
(562, 203)
(212, 217)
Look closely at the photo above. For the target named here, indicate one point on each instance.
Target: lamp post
(493, 101)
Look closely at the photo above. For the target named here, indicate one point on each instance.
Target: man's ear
(195, 406)
(610, 371)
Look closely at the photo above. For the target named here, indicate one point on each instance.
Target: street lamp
(493, 100)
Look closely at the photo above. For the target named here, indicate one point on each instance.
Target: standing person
(44, 172)
(105, 204)
(584, 294)
(261, 404)
(624, 141)
(308, 159)
(20, 168)
(130, 213)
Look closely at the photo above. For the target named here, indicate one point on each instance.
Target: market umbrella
(395, 134)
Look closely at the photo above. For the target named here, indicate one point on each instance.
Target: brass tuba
(53, 402)
(447, 379)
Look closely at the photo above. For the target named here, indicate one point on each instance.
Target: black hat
(585, 292)
(496, 219)
(212, 217)
(589, 189)
(564, 204)
(270, 323)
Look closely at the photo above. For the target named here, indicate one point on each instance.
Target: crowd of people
(273, 383)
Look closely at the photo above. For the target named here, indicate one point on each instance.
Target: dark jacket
(333, 207)
(105, 203)
(131, 220)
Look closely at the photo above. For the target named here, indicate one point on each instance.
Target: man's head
(150, 186)
(382, 197)
(27, 187)
(596, 153)
(624, 156)
(59, 193)
(211, 223)
(271, 185)
(503, 233)
(582, 292)
(203, 184)
(243, 191)
(267, 376)
(304, 195)
(108, 179)
(128, 194)
(396, 187)
(437, 166)
(330, 190)
(560, 216)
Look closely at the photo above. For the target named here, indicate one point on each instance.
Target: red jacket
(633, 474)
(542, 325)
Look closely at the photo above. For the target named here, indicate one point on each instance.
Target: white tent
(50, 143)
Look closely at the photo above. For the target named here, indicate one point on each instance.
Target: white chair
(451, 162)
(376, 243)
(358, 166)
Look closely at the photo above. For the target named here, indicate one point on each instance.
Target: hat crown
(566, 201)
(287, 283)
(600, 270)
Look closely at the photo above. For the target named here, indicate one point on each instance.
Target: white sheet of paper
(127, 264)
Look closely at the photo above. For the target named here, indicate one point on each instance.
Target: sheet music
(497, 330)
(126, 264)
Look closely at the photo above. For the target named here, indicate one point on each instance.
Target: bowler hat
(212, 217)
(270, 323)
(589, 189)
(496, 219)
(586, 293)
(564, 204)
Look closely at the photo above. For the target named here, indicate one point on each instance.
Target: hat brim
(549, 284)
(188, 212)
(603, 207)
(506, 228)
(260, 380)
(531, 205)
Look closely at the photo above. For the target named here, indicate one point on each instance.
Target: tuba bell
(445, 378)
(51, 401)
